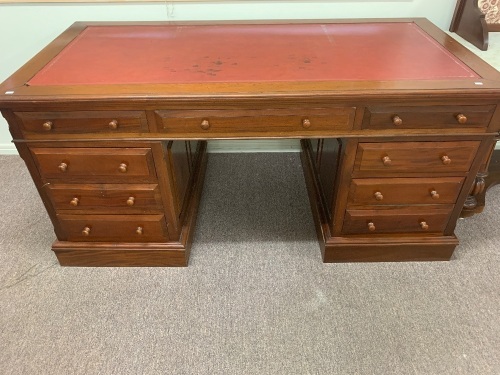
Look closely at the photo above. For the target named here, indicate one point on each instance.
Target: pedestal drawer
(94, 164)
(114, 228)
(415, 157)
(399, 220)
(82, 122)
(106, 198)
(404, 191)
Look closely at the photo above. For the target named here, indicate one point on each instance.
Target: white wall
(27, 28)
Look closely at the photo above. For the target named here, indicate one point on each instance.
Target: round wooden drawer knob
(47, 126)
(205, 125)
(371, 227)
(424, 225)
(306, 123)
(130, 201)
(434, 194)
(113, 124)
(378, 196)
(63, 167)
(139, 231)
(123, 167)
(397, 121)
(86, 231)
(461, 118)
(446, 160)
(75, 202)
(387, 161)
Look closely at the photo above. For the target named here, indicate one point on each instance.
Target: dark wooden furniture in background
(474, 19)
(397, 122)
(470, 23)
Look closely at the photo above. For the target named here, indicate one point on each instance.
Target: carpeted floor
(255, 299)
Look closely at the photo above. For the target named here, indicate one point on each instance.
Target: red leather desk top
(251, 53)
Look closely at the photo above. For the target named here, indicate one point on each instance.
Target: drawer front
(208, 122)
(428, 117)
(94, 164)
(403, 191)
(82, 122)
(106, 198)
(401, 220)
(114, 228)
(415, 157)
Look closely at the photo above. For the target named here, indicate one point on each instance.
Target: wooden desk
(396, 121)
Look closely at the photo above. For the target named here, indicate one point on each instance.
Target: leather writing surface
(251, 53)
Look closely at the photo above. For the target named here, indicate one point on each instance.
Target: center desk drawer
(106, 198)
(114, 228)
(415, 157)
(95, 164)
(81, 122)
(256, 121)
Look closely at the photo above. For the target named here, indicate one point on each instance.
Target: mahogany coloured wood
(427, 117)
(392, 147)
(397, 191)
(42, 123)
(397, 220)
(106, 198)
(94, 164)
(489, 178)
(391, 157)
(112, 228)
(214, 123)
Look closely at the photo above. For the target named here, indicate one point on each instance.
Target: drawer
(415, 157)
(114, 228)
(256, 121)
(94, 164)
(399, 220)
(465, 116)
(82, 122)
(403, 191)
(106, 198)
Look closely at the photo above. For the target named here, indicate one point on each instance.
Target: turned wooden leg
(471, 203)
(484, 180)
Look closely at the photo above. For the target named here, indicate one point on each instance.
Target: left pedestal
(128, 204)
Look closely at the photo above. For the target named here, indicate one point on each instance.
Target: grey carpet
(255, 299)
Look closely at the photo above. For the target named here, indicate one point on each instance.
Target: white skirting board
(254, 145)
(7, 149)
